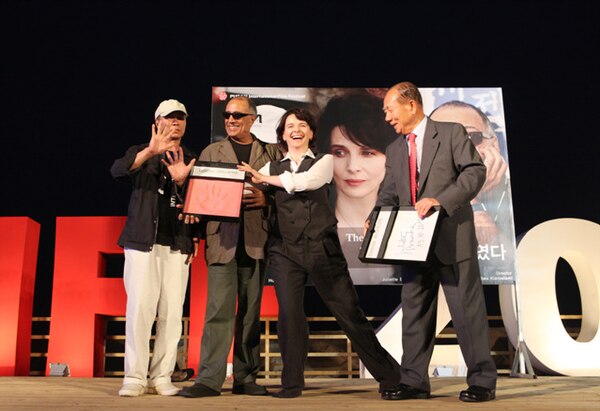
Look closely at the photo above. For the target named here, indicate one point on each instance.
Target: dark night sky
(81, 80)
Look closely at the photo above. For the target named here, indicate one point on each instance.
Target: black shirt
(167, 212)
(242, 151)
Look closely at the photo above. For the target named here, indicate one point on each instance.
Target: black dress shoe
(475, 393)
(404, 392)
(198, 390)
(182, 375)
(288, 393)
(249, 388)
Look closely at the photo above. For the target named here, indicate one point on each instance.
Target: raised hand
(161, 141)
(176, 165)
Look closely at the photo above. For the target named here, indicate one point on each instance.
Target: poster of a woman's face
(352, 128)
(358, 170)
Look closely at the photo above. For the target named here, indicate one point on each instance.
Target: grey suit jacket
(452, 172)
(222, 237)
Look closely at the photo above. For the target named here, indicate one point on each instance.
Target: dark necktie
(412, 161)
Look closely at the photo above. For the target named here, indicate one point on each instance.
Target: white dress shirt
(315, 177)
(419, 131)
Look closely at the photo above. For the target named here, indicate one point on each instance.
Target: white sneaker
(166, 389)
(131, 390)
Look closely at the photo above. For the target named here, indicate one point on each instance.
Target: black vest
(305, 213)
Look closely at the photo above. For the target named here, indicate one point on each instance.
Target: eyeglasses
(478, 136)
(236, 115)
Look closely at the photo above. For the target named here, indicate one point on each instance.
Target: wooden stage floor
(66, 393)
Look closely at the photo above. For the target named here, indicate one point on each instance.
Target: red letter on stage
(198, 287)
(18, 258)
(80, 296)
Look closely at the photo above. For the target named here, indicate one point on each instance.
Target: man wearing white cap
(158, 250)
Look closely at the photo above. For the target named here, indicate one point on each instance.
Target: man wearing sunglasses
(490, 205)
(235, 259)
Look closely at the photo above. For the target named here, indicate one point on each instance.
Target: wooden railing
(330, 351)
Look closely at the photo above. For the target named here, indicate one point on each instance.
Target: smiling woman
(303, 242)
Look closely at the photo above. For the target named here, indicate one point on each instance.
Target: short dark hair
(360, 119)
(301, 114)
(249, 101)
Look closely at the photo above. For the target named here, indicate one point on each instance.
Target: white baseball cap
(169, 106)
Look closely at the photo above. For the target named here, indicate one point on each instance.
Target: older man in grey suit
(235, 258)
(449, 173)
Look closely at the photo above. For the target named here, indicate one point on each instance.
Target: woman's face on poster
(357, 170)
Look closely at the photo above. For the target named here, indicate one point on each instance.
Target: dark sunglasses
(477, 137)
(236, 115)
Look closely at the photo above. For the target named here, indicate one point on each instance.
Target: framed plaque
(214, 189)
(398, 235)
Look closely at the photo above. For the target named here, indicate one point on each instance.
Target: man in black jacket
(158, 250)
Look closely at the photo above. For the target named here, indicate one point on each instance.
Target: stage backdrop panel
(352, 128)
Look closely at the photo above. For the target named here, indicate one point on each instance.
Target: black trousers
(290, 265)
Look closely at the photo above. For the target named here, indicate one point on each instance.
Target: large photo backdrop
(351, 126)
